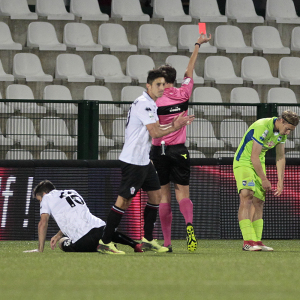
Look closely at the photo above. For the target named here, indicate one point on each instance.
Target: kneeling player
(83, 230)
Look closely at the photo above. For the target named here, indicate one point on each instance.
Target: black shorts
(136, 177)
(174, 165)
(88, 243)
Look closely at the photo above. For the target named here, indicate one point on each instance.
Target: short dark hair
(290, 117)
(154, 74)
(170, 73)
(45, 186)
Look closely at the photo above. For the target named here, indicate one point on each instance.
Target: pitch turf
(219, 269)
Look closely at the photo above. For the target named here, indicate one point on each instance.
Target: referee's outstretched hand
(181, 121)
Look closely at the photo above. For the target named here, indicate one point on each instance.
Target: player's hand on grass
(279, 189)
(34, 250)
(266, 184)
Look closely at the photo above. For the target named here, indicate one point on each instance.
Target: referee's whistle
(163, 148)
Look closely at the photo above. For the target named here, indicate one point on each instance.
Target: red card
(202, 28)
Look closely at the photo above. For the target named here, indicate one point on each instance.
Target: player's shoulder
(187, 81)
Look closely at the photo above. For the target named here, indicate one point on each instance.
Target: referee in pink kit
(169, 154)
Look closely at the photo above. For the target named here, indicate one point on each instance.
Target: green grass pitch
(219, 269)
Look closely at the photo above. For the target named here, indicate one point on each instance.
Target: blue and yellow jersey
(262, 132)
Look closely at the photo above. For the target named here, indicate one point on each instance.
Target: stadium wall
(212, 189)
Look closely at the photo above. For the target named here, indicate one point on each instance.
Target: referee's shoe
(153, 245)
(109, 248)
(191, 238)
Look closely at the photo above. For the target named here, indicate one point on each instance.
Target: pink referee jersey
(173, 102)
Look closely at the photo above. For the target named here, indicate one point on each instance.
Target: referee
(137, 170)
(169, 154)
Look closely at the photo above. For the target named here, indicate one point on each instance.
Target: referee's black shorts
(88, 243)
(135, 177)
(174, 165)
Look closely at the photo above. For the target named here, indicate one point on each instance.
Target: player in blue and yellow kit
(250, 173)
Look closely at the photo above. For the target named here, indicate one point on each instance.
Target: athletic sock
(245, 226)
(258, 226)
(254, 237)
(121, 238)
(113, 221)
(186, 208)
(165, 215)
(150, 214)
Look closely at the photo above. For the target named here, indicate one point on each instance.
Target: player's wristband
(197, 44)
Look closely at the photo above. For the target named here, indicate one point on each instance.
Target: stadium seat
(209, 95)
(103, 141)
(28, 66)
(53, 10)
(53, 154)
(3, 75)
(282, 11)
(257, 70)
(243, 11)
(55, 131)
(22, 92)
(128, 10)
(295, 39)
(88, 10)
(102, 93)
(154, 37)
(220, 154)
(21, 130)
(137, 67)
(71, 67)
(170, 11)
(206, 11)
(188, 35)
(114, 37)
(232, 131)
(59, 92)
(201, 133)
(113, 154)
(16, 154)
(289, 70)
(6, 41)
(267, 40)
(43, 36)
(180, 63)
(230, 38)
(292, 154)
(130, 93)
(79, 36)
(244, 95)
(16, 9)
(108, 67)
(118, 128)
(220, 69)
(5, 108)
(196, 154)
(5, 141)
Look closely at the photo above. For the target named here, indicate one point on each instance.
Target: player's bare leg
(245, 216)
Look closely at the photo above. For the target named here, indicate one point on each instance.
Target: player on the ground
(250, 173)
(137, 170)
(80, 231)
(169, 154)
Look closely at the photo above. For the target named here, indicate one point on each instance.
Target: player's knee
(246, 197)
(61, 241)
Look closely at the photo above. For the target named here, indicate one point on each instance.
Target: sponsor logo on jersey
(151, 115)
(148, 109)
(279, 139)
(186, 81)
(244, 182)
(264, 135)
(132, 190)
(251, 183)
(270, 144)
(175, 109)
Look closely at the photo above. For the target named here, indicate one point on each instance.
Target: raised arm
(280, 164)
(191, 65)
